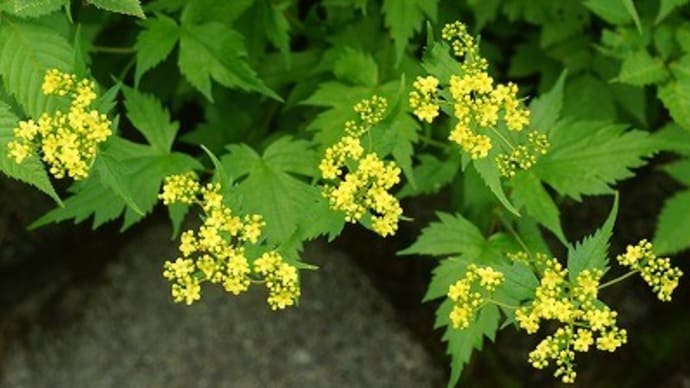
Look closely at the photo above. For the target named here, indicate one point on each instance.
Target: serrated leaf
(110, 175)
(488, 170)
(127, 7)
(356, 67)
(27, 51)
(154, 43)
(591, 252)
(529, 192)
(451, 235)
(91, 199)
(666, 7)
(639, 69)
(31, 8)
(32, 170)
(404, 18)
(587, 157)
(461, 343)
(340, 99)
(438, 62)
(676, 98)
(215, 51)
(546, 109)
(267, 187)
(148, 116)
(674, 223)
(447, 272)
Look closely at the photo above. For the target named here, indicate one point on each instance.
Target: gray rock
(130, 334)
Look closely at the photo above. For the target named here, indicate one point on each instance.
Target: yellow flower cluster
(575, 305)
(522, 157)
(469, 293)
(281, 279)
(68, 141)
(216, 253)
(363, 179)
(424, 99)
(656, 271)
(480, 107)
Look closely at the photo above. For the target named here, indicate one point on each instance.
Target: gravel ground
(126, 332)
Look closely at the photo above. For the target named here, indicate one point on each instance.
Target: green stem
(515, 234)
(113, 50)
(497, 303)
(432, 142)
(618, 279)
(500, 135)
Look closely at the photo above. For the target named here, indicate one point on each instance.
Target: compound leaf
(591, 252)
(451, 235)
(127, 7)
(587, 157)
(31, 170)
(672, 229)
(27, 51)
(676, 98)
(216, 51)
(154, 43)
(404, 18)
(147, 115)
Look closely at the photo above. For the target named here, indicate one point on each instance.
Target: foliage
(295, 118)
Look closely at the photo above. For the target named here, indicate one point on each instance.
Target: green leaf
(431, 175)
(27, 51)
(529, 192)
(276, 26)
(90, 199)
(267, 186)
(587, 157)
(356, 67)
(485, 11)
(666, 7)
(340, 99)
(154, 43)
(588, 98)
(676, 98)
(616, 12)
(461, 343)
(632, 12)
(447, 272)
(110, 174)
(438, 62)
(215, 51)
(177, 213)
(31, 9)
(640, 69)
(674, 222)
(591, 252)
(487, 169)
(127, 7)
(31, 170)
(151, 119)
(200, 11)
(451, 235)
(546, 109)
(404, 18)
(679, 170)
